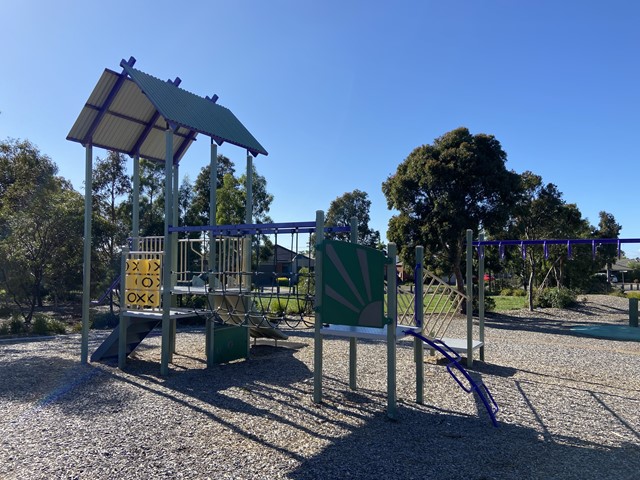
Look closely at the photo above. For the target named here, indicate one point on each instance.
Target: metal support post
(317, 337)
(418, 345)
(353, 342)
(166, 261)
(124, 320)
(135, 203)
(213, 185)
(481, 295)
(392, 314)
(86, 269)
(469, 298)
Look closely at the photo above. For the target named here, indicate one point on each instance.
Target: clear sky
(340, 92)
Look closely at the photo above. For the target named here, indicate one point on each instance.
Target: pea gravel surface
(569, 408)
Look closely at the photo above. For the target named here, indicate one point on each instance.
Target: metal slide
(479, 388)
(114, 286)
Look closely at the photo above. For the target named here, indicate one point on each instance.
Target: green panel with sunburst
(352, 285)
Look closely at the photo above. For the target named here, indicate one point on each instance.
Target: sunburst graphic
(353, 285)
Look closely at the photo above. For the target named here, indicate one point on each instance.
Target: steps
(137, 331)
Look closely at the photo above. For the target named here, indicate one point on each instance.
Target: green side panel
(353, 285)
(230, 343)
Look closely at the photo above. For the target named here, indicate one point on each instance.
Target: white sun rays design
(370, 312)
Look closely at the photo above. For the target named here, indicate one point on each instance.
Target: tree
(441, 190)
(110, 183)
(198, 211)
(541, 213)
(607, 228)
(152, 176)
(348, 205)
(40, 227)
(230, 197)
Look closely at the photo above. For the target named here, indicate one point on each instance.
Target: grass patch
(509, 302)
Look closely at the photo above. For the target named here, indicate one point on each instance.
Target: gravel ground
(569, 408)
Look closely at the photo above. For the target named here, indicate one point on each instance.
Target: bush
(4, 329)
(633, 295)
(556, 298)
(16, 325)
(519, 292)
(306, 282)
(43, 325)
(40, 325)
(283, 281)
(506, 292)
(57, 327)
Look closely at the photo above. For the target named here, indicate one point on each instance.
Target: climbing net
(260, 275)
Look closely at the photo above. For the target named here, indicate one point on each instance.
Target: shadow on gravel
(30, 377)
(422, 445)
(538, 323)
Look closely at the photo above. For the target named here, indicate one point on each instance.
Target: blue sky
(340, 92)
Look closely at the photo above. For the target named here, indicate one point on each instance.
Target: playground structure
(137, 114)
(615, 332)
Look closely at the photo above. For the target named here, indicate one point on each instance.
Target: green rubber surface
(610, 332)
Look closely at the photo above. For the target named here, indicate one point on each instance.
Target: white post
(86, 270)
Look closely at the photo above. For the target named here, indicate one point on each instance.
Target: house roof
(129, 112)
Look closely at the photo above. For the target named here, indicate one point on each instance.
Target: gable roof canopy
(129, 112)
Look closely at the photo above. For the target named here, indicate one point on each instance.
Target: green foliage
(306, 282)
(16, 325)
(43, 325)
(41, 224)
(342, 209)
(556, 298)
(283, 281)
(40, 325)
(441, 190)
(633, 295)
(4, 329)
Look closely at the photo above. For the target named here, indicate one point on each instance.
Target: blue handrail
(481, 389)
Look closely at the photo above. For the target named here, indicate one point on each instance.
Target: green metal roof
(128, 113)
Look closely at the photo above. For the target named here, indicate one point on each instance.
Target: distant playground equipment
(136, 114)
(616, 332)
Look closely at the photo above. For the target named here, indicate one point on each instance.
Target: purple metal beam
(134, 120)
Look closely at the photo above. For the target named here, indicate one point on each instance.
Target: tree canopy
(348, 205)
(41, 219)
(441, 190)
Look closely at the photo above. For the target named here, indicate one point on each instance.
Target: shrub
(16, 325)
(57, 327)
(633, 295)
(4, 329)
(306, 282)
(277, 307)
(556, 298)
(506, 292)
(40, 325)
(283, 281)
(519, 292)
